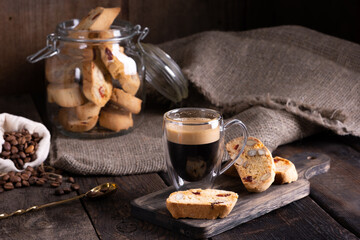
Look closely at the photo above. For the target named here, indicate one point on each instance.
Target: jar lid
(163, 73)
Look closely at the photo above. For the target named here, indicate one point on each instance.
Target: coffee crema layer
(193, 134)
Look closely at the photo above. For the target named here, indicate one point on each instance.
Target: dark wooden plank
(111, 215)
(338, 191)
(20, 105)
(249, 205)
(302, 219)
(62, 222)
(170, 19)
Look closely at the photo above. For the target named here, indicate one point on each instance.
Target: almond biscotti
(70, 122)
(115, 120)
(255, 166)
(126, 100)
(97, 87)
(285, 171)
(98, 19)
(201, 204)
(65, 95)
(87, 110)
(121, 67)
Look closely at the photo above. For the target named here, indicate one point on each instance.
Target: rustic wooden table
(332, 211)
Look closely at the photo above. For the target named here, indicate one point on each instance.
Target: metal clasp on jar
(48, 51)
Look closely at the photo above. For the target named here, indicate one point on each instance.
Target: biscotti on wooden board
(256, 166)
(201, 204)
(285, 171)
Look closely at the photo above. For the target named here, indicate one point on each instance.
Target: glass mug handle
(245, 136)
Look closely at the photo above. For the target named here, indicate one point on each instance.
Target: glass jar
(95, 79)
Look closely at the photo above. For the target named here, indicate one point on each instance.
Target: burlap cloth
(284, 83)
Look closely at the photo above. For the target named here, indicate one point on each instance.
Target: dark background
(25, 25)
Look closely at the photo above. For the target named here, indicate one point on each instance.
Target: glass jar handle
(142, 34)
(48, 51)
(245, 134)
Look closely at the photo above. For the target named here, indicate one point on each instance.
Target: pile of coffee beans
(40, 176)
(20, 147)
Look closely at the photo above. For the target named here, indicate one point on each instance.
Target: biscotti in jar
(92, 65)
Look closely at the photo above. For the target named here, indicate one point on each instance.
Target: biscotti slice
(60, 70)
(255, 166)
(115, 120)
(98, 19)
(87, 110)
(69, 122)
(233, 147)
(126, 101)
(285, 171)
(97, 87)
(201, 204)
(121, 67)
(65, 95)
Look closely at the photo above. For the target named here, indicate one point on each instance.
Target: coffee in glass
(194, 143)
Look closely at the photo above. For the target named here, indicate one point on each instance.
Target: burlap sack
(284, 83)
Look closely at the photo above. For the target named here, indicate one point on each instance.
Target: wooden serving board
(152, 207)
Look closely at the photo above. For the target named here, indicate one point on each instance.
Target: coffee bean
(24, 176)
(35, 135)
(14, 142)
(5, 153)
(75, 186)
(59, 191)
(6, 177)
(1, 190)
(33, 157)
(7, 146)
(2, 182)
(15, 156)
(25, 183)
(10, 138)
(54, 184)
(22, 155)
(18, 185)
(28, 137)
(15, 179)
(67, 190)
(20, 162)
(14, 149)
(71, 180)
(8, 186)
(11, 173)
(29, 149)
(27, 173)
(39, 182)
(32, 180)
(22, 140)
(28, 168)
(27, 159)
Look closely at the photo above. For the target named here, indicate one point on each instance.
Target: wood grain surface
(249, 205)
(111, 215)
(338, 192)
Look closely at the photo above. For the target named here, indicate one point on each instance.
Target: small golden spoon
(97, 191)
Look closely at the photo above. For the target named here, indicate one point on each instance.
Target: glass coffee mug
(194, 146)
